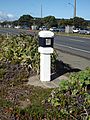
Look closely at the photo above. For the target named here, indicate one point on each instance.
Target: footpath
(73, 60)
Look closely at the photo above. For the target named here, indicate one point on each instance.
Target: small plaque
(48, 41)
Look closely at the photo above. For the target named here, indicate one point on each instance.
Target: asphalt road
(14, 31)
(75, 45)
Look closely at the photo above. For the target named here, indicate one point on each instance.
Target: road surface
(75, 45)
(14, 31)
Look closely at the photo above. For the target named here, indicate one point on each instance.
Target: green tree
(50, 21)
(38, 22)
(88, 23)
(25, 20)
(15, 23)
(80, 22)
(4, 23)
(64, 22)
(77, 22)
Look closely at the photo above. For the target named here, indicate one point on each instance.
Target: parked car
(82, 31)
(76, 30)
(43, 28)
(61, 29)
(88, 32)
(54, 29)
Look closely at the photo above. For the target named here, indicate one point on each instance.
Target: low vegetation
(70, 101)
(73, 34)
(19, 59)
(72, 98)
(22, 50)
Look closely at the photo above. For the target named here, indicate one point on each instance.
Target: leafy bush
(72, 98)
(22, 49)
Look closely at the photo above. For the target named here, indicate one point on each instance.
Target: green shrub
(22, 49)
(72, 97)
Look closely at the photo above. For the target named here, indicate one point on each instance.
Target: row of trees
(27, 20)
(77, 22)
(49, 21)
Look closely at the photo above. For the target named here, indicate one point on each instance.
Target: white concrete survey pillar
(45, 63)
(45, 49)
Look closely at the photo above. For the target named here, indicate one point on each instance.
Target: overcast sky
(13, 9)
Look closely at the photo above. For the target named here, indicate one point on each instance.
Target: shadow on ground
(62, 68)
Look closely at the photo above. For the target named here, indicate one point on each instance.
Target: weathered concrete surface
(35, 81)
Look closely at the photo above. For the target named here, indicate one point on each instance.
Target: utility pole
(74, 8)
(41, 10)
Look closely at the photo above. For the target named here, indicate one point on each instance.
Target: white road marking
(74, 48)
(76, 40)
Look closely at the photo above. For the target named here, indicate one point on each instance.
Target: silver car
(88, 32)
(82, 31)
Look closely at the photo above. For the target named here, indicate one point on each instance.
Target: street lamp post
(41, 10)
(74, 7)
